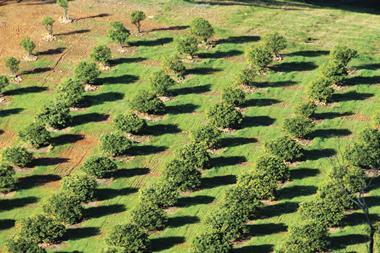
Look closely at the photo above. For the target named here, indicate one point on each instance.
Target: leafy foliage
(55, 115)
(320, 90)
(115, 144)
(247, 77)
(275, 43)
(129, 123)
(21, 245)
(48, 22)
(162, 194)
(182, 175)
(285, 148)
(259, 57)
(298, 126)
(174, 65)
(195, 155)
(13, 64)
(261, 185)
(136, 18)
(306, 109)
(64, 207)
(99, 166)
(187, 45)
(224, 115)
(4, 82)
(241, 197)
(233, 96)
(211, 242)
(202, 29)
(119, 33)
(161, 83)
(101, 54)
(7, 178)
(81, 186)
(36, 134)
(149, 216)
(273, 167)
(18, 156)
(86, 72)
(28, 45)
(70, 93)
(147, 102)
(208, 135)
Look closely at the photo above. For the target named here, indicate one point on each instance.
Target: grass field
(311, 30)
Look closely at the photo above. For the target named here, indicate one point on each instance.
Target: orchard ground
(312, 30)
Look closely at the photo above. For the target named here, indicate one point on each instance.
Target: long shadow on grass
(294, 66)
(354, 219)
(254, 121)
(49, 161)
(146, 150)
(331, 115)
(179, 221)
(236, 141)
(100, 211)
(181, 109)
(350, 96)
(118, 61)
(108, 193)
(25, 90)
(357, 80)
(278, 209)
(36, 71)
(151, 43)
(239, 39)
(103, 98)
(264, 248)
(58, 50)
(217, 181)
(66, 139)
(296, 191)
(80, 31)
(277, 84)
(170, 28)
(316, 154)
(372, 201)
(80, 233)
(123, 79)
(125, 173)
(88, 118)
(164, 243)
(266, 228)
(195, 200)
(309, 53)
(220, 54)
(32, 181)
(192, 90)
(329, 133)
(10, 204)
(160, 129)
(261, 102)
(9, 112)
(301, 173)
(223, 161)
(342, 241)
(7, 224)
(202, 71)
(371, 66)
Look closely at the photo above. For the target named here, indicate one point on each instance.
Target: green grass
(268, 108)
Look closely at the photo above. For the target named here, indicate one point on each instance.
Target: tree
(174, 65)
(161, 83)
(136, 18)
(28, 45)
(101, 54)
(343, 55)
(181, 175)
(320, 90)
(285, 148)
(13, 65)
(233, 96)
(86, 72)
(211, 242)
(70, 93)
(259, 57)
(306, 109)
(41, 229)
(208, 135)
(162, 194)
(64, 207)
(224, 115)
(149, 216)
(247, 77)
(195, 155)
(187, 45)
(298, 126)
(81, 186)
(129, 123)
(241, 197)
(115, 144)
(202, 29)
(7, 178)
(273, 167)
(365, 152)
(18, 156)
(119, 33)
(48, 22)
(4, 82)
(275, 43)
(333, 71)
(306, 238)
(64, 4)
(259, 184)
(21, 245)
(128, 238)
(99, 166)
(36, 135)
(147, 102)
(55, 115)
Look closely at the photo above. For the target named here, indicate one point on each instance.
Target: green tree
(162, 194)
(4, 82)
(21, 245)
(174, 65)
(211, 242)
(333, 71)
(36, 135)
(298, 126)
(13, 64)
(7, 178)
(285, 148)
(64, 4)
(18, 156)
(259, 184)
(70, 93)
(233, 96)
(306, 109)
(187, 45)
(161, 83)
(259, 57)
(195, 155)
(275, 43)
(182, 175)
(224, 115)
(147, 102)
(241, 197)
(99, 166)
(201, 29)
(48, 23)
(247, 77)
(273, 167)
(81, 186)
(55, 115)
(115, 144)
(86, 72)
(119, 33)
(149, 216)
(129, 123)
(343, 55)
(320, 90)
(28, 45)
(208, 135)
(101, 54)
(136, 18)
(64, 207)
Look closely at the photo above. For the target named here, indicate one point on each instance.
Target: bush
(174, 65)
(343, 55)
(7, 178)
(273, 167)
(82, 187)
(36, 134)
(333, 71)
(285, 148)
(21, 245)
(306, 109)
(298, 126)
(99, 166)
(86, 72)
(101, 54)
(64, 207)
(211, 242)
(233, 96)
(115, 144)
(136, 18)
(320, 90)
(149, 217)
(247, 77)
(119, 33)
(129, 238)
(70, 93)
(183, 176)
(195, 155)
(147, 102)
(240, 197)
(307, 238)
(376, 119)
(64, 4)
(161, 83)
(55, 115)
(202, 29)
(18, 156)
(13, 65)
(161, 194)
(48, 23)
(28, 45)
(259, 57)
(207, 135)
(129, 123)
(225, 116)
(4, 81)
(41, 229)
(275, 43)
(260, 185)
(187, 45)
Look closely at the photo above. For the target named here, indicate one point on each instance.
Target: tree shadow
(86, 118)
(151, 43)
(10, 204)
(279, 209)
(146, 150)
(239, 39)
(108, 193)
(161, 129)
(126, 173)
(118, 61)
(277, 84)
(357, 80)
(261, 102)
(164, 243)
(194, 200)
(236, 141)
(372, 201)
(202, 71)
(101, 15)
(329, 133)
(220, 54)
(316, 154)
(263, 248)
(103, 98)
(192, 90)
(350, 96)
(80, 233)
(100, 211)
(331, 115)
(7, 224)
(181, 109)
(370, 66)
(123, 79)
(301, 173)
(266, 228)
(294, 66)
(58, 50)
(217, 181)
(37, 71)
(73, 32)
(170, 28)
(296, 191)
(342, 241)
(9, 112)
(255, 121)
(49, 161)
(32, 181)
(25, 90)
(179, 221)
(309, 53)
(227, 161)
(66, 139)
(354, 219)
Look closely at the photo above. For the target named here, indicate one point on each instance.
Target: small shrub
(101, 54)
(55, 115)
(343, 55)
(183, 176)
(13, 64)
(7, 178)
(147, 102)
(18, 156)
(174, 65)
(161, 83)
(298, 126)
(129, 123)
(233, 96)
(213, 242)
(239, 197)
(259, 184)
(81, 186)
(306, 109)
(247, 77)
(202, 29)
(136, 18)
(259, 57)
(275, 43)
(333, 71)
(187, 45)
(119, 33)
(273, 167)
(207, 135)
(86, 72)
(4, 82)
(64, 207)
(195, 155)
(115, 144)
(99, 166)
(70, 93)
(320, 90)
(48, 22)
(149, 217)
(28, 45)
(36, 134)
(225, 116)
(20, 245)
(285, 148)
(161, 194)
(64, 4)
